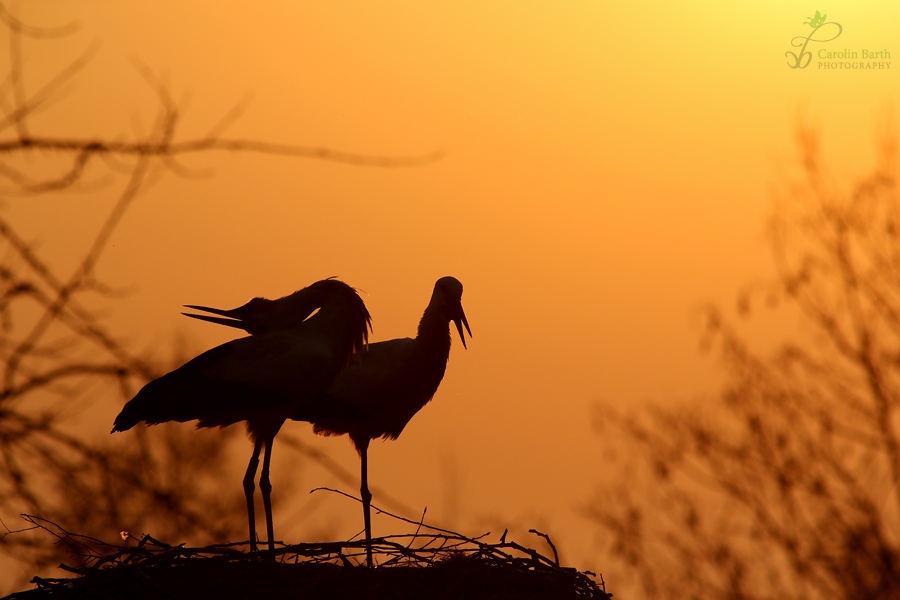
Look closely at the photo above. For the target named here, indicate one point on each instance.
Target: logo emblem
(817, 22)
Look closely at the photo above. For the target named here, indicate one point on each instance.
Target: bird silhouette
(263, 378)
(377, 395)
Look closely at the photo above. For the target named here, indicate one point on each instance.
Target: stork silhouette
(377, 395)
(263, 378)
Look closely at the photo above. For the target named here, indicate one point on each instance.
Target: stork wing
(236, 381)
(378, 371)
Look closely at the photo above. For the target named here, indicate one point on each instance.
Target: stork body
(261, 379)
(377, 395)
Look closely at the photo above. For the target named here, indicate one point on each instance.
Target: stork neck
(434, 330)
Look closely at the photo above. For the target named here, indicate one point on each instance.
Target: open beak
(460, 320)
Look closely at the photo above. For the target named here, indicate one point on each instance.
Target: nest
(438, 565)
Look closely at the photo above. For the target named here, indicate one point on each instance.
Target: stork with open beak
(377, 395)
(263, 378)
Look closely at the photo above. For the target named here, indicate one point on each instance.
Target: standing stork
(377, 395)
(263, 378)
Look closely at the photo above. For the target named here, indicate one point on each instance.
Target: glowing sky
(607, 170)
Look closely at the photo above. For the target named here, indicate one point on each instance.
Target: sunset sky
(607, 170)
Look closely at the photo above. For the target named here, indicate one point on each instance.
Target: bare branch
(791, 476)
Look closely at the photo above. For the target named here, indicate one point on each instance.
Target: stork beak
(460, 320)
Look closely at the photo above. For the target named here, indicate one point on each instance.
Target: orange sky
(607, 170)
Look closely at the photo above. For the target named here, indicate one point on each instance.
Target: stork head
(334, 296)
(447, 297)
(261, 315)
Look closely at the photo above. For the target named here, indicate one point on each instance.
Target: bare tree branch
(792, 477)
(55, 353)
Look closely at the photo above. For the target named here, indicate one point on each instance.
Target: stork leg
(366, 499)
(265, 487)
(248, 491)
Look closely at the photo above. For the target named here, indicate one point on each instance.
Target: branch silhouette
(57, 354)
(791, 476)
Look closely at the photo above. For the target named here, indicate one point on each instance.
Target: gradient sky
(608, 169)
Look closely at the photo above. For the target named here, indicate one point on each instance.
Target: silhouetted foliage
(787, 485)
